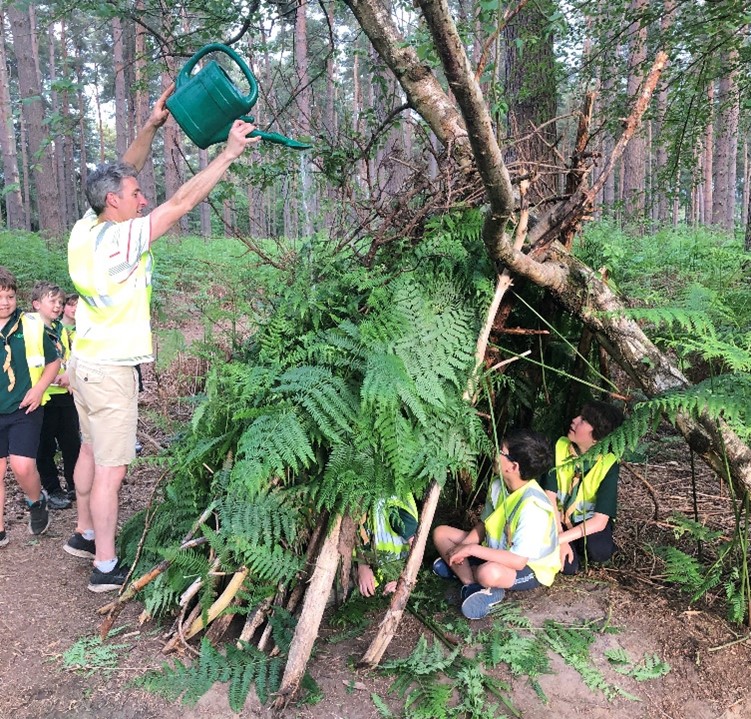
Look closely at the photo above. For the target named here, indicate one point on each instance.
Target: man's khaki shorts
(106, 398)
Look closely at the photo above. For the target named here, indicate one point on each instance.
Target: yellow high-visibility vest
(500, 528)
(113, 321)
(576, 500)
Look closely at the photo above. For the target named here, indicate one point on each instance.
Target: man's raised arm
(140, 148)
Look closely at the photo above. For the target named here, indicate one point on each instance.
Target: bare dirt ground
(46, 612)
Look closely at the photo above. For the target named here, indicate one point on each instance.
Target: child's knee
(492, 574)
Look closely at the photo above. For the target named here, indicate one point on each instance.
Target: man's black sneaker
(3, 538)
(108, 581)
(39, 517)
(71, 494)
(59, 500)
(79, 546)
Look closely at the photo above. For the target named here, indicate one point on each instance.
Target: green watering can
(206, 104)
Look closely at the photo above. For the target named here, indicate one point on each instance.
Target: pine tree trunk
(142, 107)
(531, 93)
(709, 151)
(121, 103)
(14, 209)
(723, 207)
(634, 158)
(43, 169)
(303, 100)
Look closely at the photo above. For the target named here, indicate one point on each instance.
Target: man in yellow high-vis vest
(110, 263)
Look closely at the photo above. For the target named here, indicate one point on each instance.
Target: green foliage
(651, 666)
(90, 655)
(573, 644)
(241, 668)
(31, 258)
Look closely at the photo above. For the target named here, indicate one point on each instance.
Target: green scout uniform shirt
(11, 399)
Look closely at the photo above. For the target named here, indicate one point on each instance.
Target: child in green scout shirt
(585, 493)
(516, 546)
(60, 423)
(29, 363)
(386, 535)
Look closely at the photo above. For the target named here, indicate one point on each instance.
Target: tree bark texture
(723, 205)
(531, 94)
(40, 151)
(14, 214)
(310, 616)
(635, 156)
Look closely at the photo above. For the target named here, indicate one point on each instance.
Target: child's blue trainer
(442, 570)
(479, 603)
(468, 589)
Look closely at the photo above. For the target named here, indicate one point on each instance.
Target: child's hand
(366, 580)
(390, 588)
(32, 400)
(567, 553)
(63, 380)
(460, 552)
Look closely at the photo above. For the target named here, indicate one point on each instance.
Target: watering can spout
(278, 139)
(206, 104)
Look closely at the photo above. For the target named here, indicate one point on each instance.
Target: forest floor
(52, 666)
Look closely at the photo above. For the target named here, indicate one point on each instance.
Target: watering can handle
(184, 74)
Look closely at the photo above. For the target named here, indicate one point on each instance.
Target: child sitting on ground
(585, 493)
(29, 362)
(515, 547)
(385, 538)
(60, 425)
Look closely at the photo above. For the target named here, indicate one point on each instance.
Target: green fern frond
(328, 400)
(424, 660)
(681, 568)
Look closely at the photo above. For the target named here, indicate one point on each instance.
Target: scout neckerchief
(5, 337)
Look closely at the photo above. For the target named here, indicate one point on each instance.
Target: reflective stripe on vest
(65, 336)
(576, 499)
(500, 528)
(113, 322)
(384, 538)
(33, 336)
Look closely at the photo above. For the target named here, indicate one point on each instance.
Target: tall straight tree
(142, 109)
(532, 95)
(726, 157)
(121, 100)
(303, 102)
(40, 151)
(635, 156)
(14, 214)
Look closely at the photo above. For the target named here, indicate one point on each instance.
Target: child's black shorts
(19, 432)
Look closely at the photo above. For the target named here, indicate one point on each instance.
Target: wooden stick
(221, 603)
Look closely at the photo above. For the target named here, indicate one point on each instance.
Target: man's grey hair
(105, 179)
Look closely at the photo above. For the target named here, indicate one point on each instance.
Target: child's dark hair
(603, 416)
(43, 288)
(72, 297)
(531, 450)
(7, 280)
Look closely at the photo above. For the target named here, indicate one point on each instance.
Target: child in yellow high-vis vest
(385, 535)
(585, 492)
(60, 425)
(516, 546)
(29, 362)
